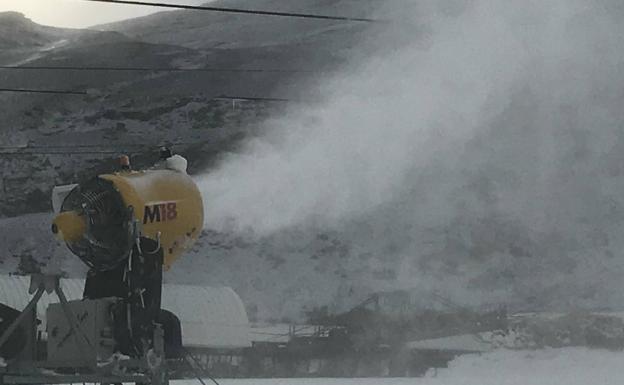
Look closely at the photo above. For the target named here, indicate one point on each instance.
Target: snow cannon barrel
(102, 220)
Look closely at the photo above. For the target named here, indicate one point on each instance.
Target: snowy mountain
(17, 31)
(207, 30)
(477, 154)
(136, 112)
(151, 108)
(21, 38)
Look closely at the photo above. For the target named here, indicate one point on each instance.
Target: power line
(253, 98)
(238, 10)
(95, 145)
(72, 152)
(90, 149)
(65, 92)
(61, 146)
(155, 69)
(34, 153)
(40, 91)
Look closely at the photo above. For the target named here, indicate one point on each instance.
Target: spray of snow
(351, 153)
(482, 133)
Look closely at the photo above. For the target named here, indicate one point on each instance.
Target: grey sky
(78, 13)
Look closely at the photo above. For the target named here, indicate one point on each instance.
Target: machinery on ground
(126, 227)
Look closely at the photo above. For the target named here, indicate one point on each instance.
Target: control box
(68, 346)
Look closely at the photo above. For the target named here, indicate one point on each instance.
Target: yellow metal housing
(167, 204)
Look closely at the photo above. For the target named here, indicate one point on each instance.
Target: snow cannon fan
(96, 225)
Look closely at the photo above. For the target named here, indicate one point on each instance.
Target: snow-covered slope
(542, 367)
(17, 31)
(21, 39)
(195, 29)
(126, 107)
(27, 248)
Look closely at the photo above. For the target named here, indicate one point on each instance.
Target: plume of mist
(351, 153)
(488, 129)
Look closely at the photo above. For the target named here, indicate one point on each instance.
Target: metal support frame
(155, 371)
(16, 323)
(40, 284)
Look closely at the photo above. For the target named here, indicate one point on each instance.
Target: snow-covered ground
(571, 366)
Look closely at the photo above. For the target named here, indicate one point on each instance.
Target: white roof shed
(211, 317)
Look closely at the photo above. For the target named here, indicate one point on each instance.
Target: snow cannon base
(82, 343)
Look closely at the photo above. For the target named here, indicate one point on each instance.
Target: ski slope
(571, 366)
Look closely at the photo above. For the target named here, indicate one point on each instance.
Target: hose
(187, 357)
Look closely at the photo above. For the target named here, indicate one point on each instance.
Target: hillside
(17, 31)
(207, 30)
(21, 38)
(127, 107)
(244, 41)
(472, 155)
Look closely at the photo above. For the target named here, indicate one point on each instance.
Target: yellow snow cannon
(102, 220)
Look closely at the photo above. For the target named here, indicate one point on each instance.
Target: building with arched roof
(211, 317)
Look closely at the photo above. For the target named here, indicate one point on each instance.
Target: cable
(188, 357)
(83, 149)
(254, 99)
(34, 91)
(61, 146)
(63, 92)
(238, 10)
(60, 153)
(224, 97)
(122, 145)
(155, 69)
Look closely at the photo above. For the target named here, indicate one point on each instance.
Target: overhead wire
(84, 93)
(90, 145)
(239, 11)
(254, 98)
(54, 150)
(92, 148)
(153, 69)
(95, 145)
(42, 91)
(77, 150)
(34, 153)
(179, 69)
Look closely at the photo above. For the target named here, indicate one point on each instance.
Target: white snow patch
(571, 366)
(177, 163)
(551, 366)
